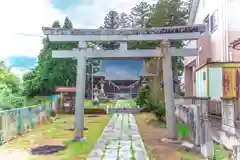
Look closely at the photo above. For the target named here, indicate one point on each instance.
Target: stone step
(124, 110)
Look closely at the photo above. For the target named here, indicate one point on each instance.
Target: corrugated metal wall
(215, 83)
(201, 82)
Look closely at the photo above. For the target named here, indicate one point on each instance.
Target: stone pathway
(120, 141)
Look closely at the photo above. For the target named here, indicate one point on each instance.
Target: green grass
(56, 133)
(220, 153)
(132, 103)
(183, 130)
(88, 104)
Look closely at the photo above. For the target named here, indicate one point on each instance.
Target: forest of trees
(51, 73)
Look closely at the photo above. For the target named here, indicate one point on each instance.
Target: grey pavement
(120, 140)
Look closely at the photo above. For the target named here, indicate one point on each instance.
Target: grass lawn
(220, 152)
(58, 133)
(132, 103)
(88, 104)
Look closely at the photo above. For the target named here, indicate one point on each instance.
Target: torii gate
(123, 36)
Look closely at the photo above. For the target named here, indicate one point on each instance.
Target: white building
(222, 18)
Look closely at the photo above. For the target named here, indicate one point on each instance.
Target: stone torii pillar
(168, 90)
(80, 88)
(80, 91)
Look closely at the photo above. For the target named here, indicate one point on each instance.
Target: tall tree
(172, 13)
(141, 15)
(67, 23)
(124, 20)
(50, 72)
(111, 21)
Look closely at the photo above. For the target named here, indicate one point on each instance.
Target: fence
(195, 117)
(213, 106)
(18, 121)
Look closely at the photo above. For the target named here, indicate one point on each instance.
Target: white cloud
(28, 16)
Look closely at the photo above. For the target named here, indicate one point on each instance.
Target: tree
(111, 21)
(67, 23)
(50, 72)
(10, 89)
(124, 21)
(141, 15)
(172, 13)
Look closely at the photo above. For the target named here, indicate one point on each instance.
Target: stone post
(228, 115)
(207, 147)
(236, 152)
(168, 90)
(80, 94)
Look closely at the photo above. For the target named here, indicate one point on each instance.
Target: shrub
(143, 97)
(159, 110)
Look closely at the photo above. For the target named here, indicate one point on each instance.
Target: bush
(160, 111)
(143, 97)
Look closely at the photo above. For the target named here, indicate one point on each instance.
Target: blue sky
(22, 34)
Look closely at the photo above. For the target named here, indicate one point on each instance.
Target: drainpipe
(226, 31)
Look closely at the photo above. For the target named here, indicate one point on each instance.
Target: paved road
(120, 140)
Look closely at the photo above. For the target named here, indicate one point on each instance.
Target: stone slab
(121, 128)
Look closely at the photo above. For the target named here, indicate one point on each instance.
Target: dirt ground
(56, 133)
(152, 133)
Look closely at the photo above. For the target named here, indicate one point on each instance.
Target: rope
(133, 85)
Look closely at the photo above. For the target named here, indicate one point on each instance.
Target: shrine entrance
(82, 53)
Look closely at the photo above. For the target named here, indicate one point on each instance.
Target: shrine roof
(66, 89)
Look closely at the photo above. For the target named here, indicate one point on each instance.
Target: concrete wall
(214, 46)
(233, 27)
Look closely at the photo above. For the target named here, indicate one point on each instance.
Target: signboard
(229, 82)
(124, 31)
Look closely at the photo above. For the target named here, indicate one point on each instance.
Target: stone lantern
(102, 96)
(95, 95)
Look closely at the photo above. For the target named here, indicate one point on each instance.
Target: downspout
(226, 31)
(223, 40)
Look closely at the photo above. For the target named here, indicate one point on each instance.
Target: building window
(206, 22)
(214, 21)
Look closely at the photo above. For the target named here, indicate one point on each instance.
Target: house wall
(215, 45)
(209, 8)
(233, 27)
